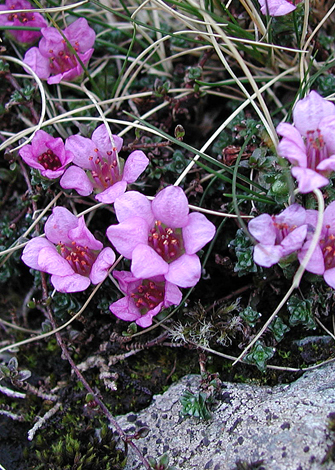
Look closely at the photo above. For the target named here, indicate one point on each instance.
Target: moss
(74, 445)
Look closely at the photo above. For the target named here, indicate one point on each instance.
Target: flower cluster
(309, 145)
(19, 17)
(96, 166)
(56, 57)
(160, 236)
(70, 253)
(292, 232)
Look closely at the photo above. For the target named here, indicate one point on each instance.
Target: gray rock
(285, 426)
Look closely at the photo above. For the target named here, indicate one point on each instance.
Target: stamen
(49, 160)
(167, 242)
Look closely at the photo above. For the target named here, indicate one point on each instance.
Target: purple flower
(53, 60)
(279, 235)
(96, 168)
(144, 298)
(310, 144)
(277, 7)
(323, 258)
(29, 19)
(70, 253)
(47, 154)
(161, 237)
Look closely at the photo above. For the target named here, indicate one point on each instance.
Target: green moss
(79, 446)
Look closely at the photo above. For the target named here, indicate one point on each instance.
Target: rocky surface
(284, 426)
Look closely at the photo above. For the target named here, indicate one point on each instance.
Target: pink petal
(292, 151)
(308, 179)
(133, 204)
(58, 225)
(101, 265)
(262, 229)
(76, 178)
(146, 263)
(101, 139)
(267, 255)
(83, 237)
(294, 240)
(309, 111)
(185, 271)
(276, 7)
(80, 32)
(329, 277)
(327, 165)
(293, 215)
(173, 296)
(110, 194)
(170, 206)
(52, 262)
(50, 35)
(52, 174)
(83, 149)
(72, 283)
(37, 62)
(40, 142)
(127, 281)
(311, 217)
(125, 309)
(29, 157)
(128, 234)
(327, 129)
(197, 232)
(291, 133)
(135, 164)
(316, 264)
(75, 72)
(55, 79)
(329, 218)
(32, 250)
(146, 320)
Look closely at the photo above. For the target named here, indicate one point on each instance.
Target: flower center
(282, 230)
(23, 17)
(80, 258)
(316, 149)
(104, 169)
(49, 160)
(148, 295)
(64, 60)
(328, 249)
(167, 242)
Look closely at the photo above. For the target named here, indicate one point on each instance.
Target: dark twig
(99, 402)
(26, 103)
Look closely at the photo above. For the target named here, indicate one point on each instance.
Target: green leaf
(244, 252)
(278, 329)
(194, 404)
(301, 312)
(250, 316)
(259, 355)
